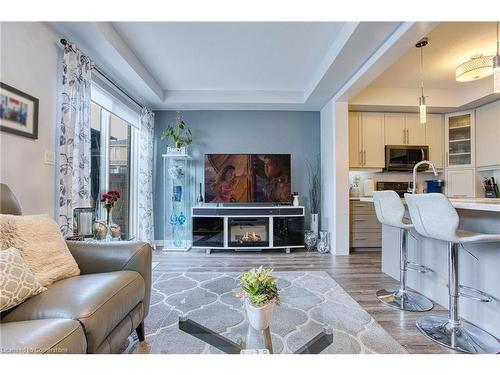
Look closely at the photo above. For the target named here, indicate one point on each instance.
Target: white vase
(259, 316)
(314, 223)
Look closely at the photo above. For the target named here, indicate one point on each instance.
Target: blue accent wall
(267, 132)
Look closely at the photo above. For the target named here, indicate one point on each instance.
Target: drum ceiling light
(477, 67)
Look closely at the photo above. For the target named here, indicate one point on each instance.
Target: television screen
(243, 178)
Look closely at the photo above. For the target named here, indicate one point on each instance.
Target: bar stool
(434, 217)
(390, 211)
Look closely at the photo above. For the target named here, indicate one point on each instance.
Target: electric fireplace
(248, 232)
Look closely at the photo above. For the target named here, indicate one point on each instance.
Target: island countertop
(480, 204)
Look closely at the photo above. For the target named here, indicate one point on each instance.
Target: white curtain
(74, 137)
(145, 183)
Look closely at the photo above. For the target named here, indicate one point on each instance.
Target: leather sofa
(91, 313)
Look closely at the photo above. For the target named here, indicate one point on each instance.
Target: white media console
(247, 228)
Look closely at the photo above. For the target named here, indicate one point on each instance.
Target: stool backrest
(389, 208)
(433, 216)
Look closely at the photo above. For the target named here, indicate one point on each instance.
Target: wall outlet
(50, 157)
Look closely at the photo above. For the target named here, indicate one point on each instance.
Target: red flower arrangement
(109, 199)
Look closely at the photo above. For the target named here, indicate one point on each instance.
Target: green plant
(179, 133)
(260, 286)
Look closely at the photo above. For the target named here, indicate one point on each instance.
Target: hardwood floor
(359, 274)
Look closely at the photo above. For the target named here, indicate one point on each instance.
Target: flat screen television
(247, 178)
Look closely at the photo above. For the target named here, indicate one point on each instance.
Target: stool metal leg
(452, 332)
(402, 298)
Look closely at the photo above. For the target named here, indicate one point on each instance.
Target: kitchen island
(477, 215)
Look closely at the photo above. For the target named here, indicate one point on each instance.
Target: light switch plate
(50, 157)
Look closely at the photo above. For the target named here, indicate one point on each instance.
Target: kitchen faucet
(415, 168)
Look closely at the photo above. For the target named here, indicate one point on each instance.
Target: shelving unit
(460, 140)
(178, 183)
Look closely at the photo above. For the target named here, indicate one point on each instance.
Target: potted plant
(314, 194)
(179, 133)
(261, 294)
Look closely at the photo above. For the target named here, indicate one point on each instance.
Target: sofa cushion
(41, 244)
(17, 282)
(99, 301)
(43, 336)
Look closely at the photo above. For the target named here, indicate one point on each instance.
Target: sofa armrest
(97, 257)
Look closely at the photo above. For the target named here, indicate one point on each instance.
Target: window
(113, 159)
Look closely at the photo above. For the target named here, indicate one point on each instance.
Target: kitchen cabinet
(395, 129)
(404, 129)
(488, 135)
(355, 154)
(366, 140)
(415, 131)
(365, 229)
(434, 135)
(372, 130)
(459, 140)
(461, 183)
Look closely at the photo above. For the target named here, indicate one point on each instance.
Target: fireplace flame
(251, 237)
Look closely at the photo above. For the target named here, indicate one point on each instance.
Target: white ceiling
(230, 55)
(450, 44)
(238, 65)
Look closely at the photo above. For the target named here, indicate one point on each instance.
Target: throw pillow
(41, 244)
(17, 282)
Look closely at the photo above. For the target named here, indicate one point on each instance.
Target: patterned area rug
(309, 301)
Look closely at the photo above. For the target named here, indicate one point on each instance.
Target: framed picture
(18, 112)
(83, 220)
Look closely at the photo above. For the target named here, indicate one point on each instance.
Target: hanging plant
(180, 134)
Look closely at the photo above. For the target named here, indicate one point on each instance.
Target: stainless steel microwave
(404, 158)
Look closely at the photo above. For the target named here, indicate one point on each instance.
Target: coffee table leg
(267, 340)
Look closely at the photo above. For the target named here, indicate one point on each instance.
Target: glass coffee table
(256, 340)
(210, 316)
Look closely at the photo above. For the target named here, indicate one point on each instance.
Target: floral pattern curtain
(145, 183)
(74, 136)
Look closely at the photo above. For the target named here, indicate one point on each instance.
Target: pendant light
(496, 68)
(421, 100)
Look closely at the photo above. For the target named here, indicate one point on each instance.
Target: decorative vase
(314, 223)
(259, 317)
(109, 224)
(310, 239)
(324, 242)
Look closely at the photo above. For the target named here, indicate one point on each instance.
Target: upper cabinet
(434, 134)
(459, 139)
(404, 129)
(395, 129)
(488, 135)
(372, 129)
(366, 140)
(415, 131)
(369, 132)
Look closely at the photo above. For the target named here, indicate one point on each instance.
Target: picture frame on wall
(18, 112)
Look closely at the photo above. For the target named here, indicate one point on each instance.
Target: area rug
(309, 301)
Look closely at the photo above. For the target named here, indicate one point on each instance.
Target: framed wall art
(18, 112)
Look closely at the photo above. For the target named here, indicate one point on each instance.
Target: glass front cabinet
(178, 196)
(460, 140)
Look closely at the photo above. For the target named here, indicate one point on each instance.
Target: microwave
(404, 158)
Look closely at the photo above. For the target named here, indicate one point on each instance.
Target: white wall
(29, 62)
(335, 175)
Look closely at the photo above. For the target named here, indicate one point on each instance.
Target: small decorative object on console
(83, 218)
(295, 199)
(324, 242)
(310, 239)
(261, 294)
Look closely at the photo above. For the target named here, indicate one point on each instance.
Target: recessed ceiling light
(477, 67)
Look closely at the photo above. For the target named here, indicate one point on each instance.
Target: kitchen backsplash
(393, 176)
